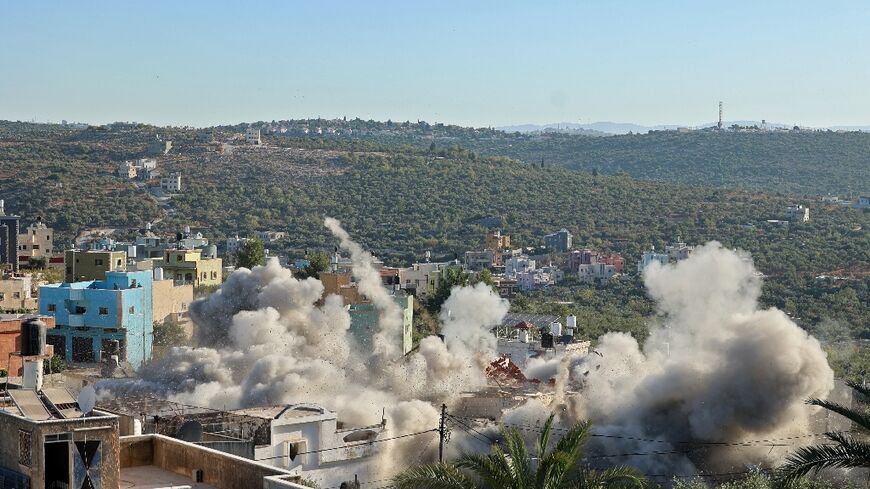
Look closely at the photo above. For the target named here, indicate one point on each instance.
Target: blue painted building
(89, 315)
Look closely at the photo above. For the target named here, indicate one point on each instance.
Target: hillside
(400, 202)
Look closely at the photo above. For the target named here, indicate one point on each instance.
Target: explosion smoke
(719, 370)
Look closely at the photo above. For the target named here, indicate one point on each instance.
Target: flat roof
(151, 477)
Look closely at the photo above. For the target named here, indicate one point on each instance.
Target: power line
(381, 440)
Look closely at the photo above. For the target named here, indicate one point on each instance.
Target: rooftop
(151, 477)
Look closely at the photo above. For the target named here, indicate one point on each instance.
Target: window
(52, 307)
(2, 296)
(25, 444)
(119, 262)
(104, 311)
(97, 262)
(16, 295)
(132, 310)
(35, 247)
(48, 238)
(177, 257)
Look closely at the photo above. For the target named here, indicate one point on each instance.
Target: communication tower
(719, 125)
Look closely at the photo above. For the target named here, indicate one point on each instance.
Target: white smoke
(719, 369)
(265, 338)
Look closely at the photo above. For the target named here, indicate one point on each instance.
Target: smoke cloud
(718, 369)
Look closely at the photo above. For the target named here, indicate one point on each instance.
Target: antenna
(87, 400)
(720, 115)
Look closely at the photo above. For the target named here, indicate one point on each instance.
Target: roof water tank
(556, 329)
(33, 337)
(158, 273)
(571, 322)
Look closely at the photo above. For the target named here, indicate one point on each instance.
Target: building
(128, 170)
(92, 264)
(558, 242)
(90, 315)
(422, 279)
(595, 272)
(171, 182)
(526, 340)
(252, 136)
(518, 264)
(863, 203)
(649, 257)
(10, 341)
(159, 147)
(16, 293)
(479, 260)
(342, 285)
(679, 251)
(170, 302)
(271, 236)
(189, 267)
(311, 430)
(797, 213)
(364, 322)
(36, 244)
(496, 241)
(234, 244)
(535, 279)
(146, 164)
(9, 230)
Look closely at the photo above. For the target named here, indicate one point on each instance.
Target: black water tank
(32, 337)
(546, 340)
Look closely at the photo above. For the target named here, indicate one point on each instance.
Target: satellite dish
(190, 431)
(87, 400)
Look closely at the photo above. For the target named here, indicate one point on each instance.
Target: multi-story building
(558, 242)
(90, 315)
(496, 241)
(679, 251)
(171, 182)
(478, 260)
(93, 264)
(365, 322)
(518, 264)
(422, 279)
(797, 213)
(16, 293)
(189, 267)
(651, 256)
(9, 230)
(252, 136)
(234, 244)
(36, 243)
(170, 302)
(863, 203)
(128, 170)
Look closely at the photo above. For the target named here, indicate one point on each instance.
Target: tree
(251, 254)
(844, 451)
(169, 333)
(559, 467)
(318, 262)
(450, 277)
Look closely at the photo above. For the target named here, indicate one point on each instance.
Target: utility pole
(442, 432)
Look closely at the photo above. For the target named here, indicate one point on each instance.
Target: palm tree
(558, 468)
(846, 451)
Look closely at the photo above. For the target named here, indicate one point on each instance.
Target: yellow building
(93, 265)
(189, 267)
(496, 241)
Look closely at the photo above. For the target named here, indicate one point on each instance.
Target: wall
(220, 470)
(102, 428)
(82, 265)
(10, 342)
(170, 302)
(12, 286)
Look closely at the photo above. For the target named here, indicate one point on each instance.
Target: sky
(480, 63)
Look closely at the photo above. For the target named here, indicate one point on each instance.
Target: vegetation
(843, 450)
(251, 254)
(556, 467)
(55, 365)
(762, 481)
(169, 333)
(317, 263)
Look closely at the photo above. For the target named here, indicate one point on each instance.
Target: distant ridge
(603, 128)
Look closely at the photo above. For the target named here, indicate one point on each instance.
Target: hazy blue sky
(478, 63)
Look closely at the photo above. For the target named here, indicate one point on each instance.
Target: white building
(252, 136)
(679, 250)
(146, 164)
(797, 213)
(171, 183)
(534, 279)
(592, 272)
(422, 278)
(234, 244)
(518, 264)
(651, 256)
(312, 432)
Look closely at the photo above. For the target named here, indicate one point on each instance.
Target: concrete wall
(220, 470)
(170, 302)
(10, 341)
(102, 428)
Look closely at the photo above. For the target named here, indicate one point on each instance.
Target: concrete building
(252, 136)
(679, 251)
(496, 241)
(159, 147)
(189, 267)
(128, 170)
(422, 279)
(92, 264)
(36, 244)
(233, 244)
(170, 302)
(364, 322)
(10, 341)
(479, 260)
(863, 203)
(595, 272)
(9, 231)
(171, 182)
(311, 430)
(90, 315)
(518, 264)
(559, 242)
(649, 257)
(146, 164)
(271, 236)
(526, 340)
(797, 213)
(16, 293)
